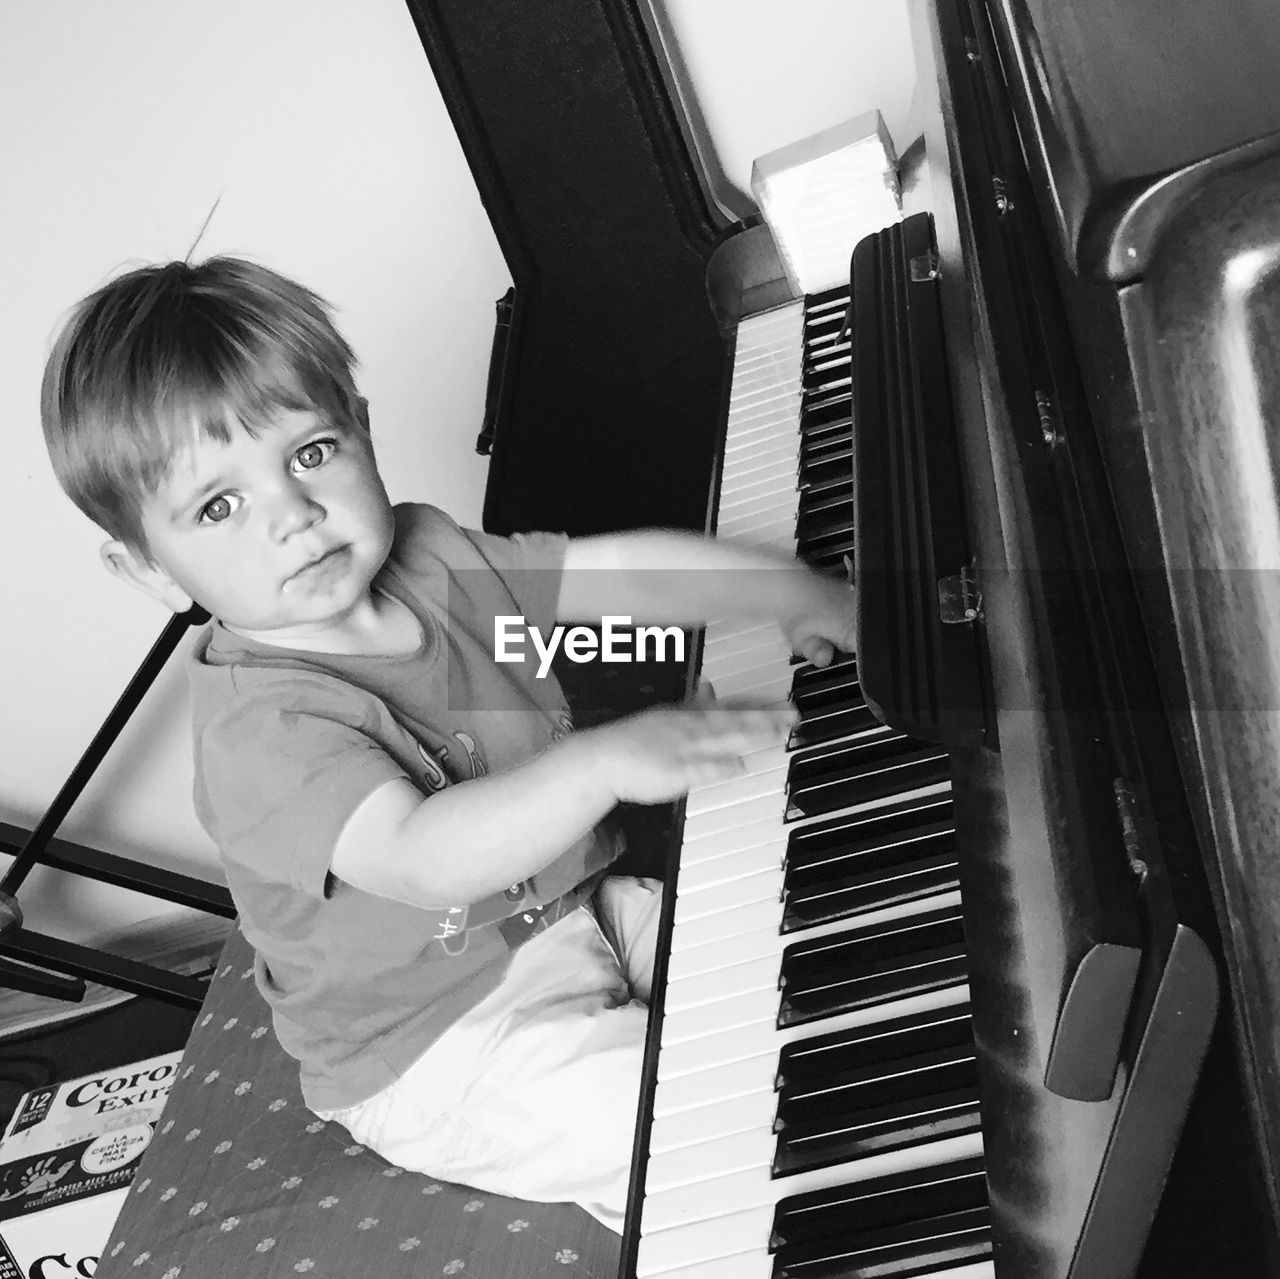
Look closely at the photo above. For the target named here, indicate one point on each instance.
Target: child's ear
(362, 412)
(124, 562)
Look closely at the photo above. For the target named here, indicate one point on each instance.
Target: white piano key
(767, 779)
(757, 487)
(739, 1265)
(753, 890)
(742, 528)
(759, 1265)
(762, 447)
(702, 876)
(756, 685)
(765, 502)
(708, 1053)
(725, 984)
(693, 1090)
(760, 432)
(761, 810)
(780, 535)
(714, 842)
(686, 1202)
(729, 1116)
(723, 637)
(717, 832)
(750, 932)
(775, 472)
(712, 1160)
(766, 657)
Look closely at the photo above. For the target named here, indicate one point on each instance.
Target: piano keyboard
(816, 1108)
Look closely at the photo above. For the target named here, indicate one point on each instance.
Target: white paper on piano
(822, 194)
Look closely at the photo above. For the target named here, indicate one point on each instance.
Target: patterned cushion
(243, 1180)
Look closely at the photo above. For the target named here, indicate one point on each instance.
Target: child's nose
(293, 510)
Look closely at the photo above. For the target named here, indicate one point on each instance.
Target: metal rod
(102, 742)
(123, 872)
(109, 970)
(33, 981)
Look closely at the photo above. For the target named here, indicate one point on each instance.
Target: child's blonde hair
(168, 351)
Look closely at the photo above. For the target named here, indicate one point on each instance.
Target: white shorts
(534, 1092)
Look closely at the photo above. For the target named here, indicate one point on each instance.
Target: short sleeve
(528, 566)
(278, 774)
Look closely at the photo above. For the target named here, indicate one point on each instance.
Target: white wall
(767, 72)
(317, 125)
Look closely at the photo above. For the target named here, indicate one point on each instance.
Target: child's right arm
(478, 837)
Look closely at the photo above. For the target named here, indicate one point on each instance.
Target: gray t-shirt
(289, 743)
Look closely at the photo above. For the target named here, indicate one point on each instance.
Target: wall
(316, 128)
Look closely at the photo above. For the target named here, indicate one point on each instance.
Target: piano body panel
(1204, 325)
(614, 363)
(1125, 108)
(1012, 860)
(1162, 212)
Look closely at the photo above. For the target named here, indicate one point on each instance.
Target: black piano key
(860, 771)
(835, 465)
(832, 559)
(812, 849)
(824, 447)
(824, 486)
(823, 510)
(828, 320)
(816, 432)
(821, 529)
(834, 382)
(859, 969)
(849, 896)
(833, 300)
(827, 367)
(820, 411)
(853, 1089)
(831, 855)
(880, 983)
(825, 435)
(912, 1250)
(877, 1203)
(827, 350)
(846, 1138)
(803, 1062)
(830, 723)
(828, 545)
(838, 675)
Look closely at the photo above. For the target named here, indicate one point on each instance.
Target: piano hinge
(924, 266)
(1131, 827)
(1050, 430)
(959, 599)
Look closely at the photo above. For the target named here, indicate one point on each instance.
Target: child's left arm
(681, 579)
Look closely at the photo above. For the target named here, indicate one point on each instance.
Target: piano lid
(1115, 157)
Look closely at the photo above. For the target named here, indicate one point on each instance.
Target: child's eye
(216, 509)
(315, 454)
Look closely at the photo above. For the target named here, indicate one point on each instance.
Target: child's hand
(663, 752)
(823, 624)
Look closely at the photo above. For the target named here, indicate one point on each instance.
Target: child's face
(278, 536)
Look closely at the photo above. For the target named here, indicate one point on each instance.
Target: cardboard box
(67, 1157)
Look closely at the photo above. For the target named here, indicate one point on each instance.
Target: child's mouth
(320, 572)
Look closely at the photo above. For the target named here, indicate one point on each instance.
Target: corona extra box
(67, 1157)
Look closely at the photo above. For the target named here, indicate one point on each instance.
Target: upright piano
(978, 976)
